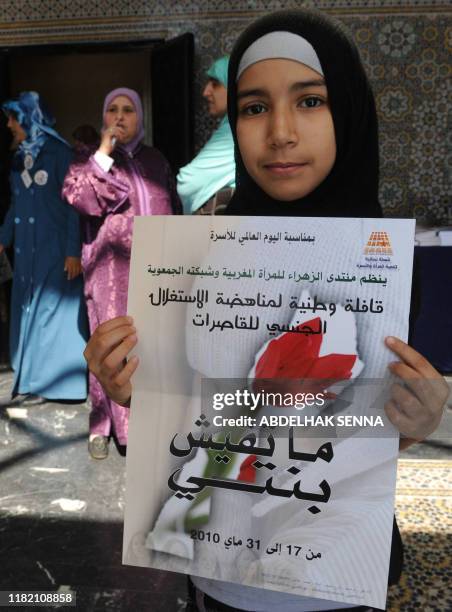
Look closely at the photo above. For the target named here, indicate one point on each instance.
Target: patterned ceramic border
(36, 10)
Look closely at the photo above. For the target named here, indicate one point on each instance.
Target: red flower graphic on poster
(296, 355)
(297, 362)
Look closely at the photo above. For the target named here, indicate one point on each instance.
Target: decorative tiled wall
(405, 47)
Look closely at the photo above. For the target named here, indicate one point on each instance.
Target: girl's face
(121, 113)
(285, 129)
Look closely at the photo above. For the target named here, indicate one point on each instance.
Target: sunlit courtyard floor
(61, 516)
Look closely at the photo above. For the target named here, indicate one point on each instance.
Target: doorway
(73, 80)
(74, 84)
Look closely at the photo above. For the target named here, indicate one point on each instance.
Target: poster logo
(378, 244)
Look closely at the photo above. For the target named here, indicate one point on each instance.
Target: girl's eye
(312, 102)
(253, 109)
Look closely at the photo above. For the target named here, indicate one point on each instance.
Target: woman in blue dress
(48, 322)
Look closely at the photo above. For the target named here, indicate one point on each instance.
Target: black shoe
(98, 447)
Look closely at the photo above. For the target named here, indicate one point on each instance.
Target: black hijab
(351, 188)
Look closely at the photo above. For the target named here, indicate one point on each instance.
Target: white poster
(259, 451)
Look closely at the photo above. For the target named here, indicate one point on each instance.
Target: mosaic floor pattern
(423, 509)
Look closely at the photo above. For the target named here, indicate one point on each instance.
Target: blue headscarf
(36, 121)
(214, 166)
(219, 70)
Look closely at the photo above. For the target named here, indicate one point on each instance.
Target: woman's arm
(72, 261)
(93, 191)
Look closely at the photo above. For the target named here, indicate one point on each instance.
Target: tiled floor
(61, 512)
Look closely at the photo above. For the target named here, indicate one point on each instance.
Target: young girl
(305, 131)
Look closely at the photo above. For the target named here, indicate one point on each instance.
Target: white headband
(280, 45)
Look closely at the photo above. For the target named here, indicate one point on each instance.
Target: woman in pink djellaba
(108, 186)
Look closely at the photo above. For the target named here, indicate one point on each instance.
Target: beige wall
(74, 85)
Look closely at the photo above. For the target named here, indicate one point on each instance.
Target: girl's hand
(106, 354)
(416, 407)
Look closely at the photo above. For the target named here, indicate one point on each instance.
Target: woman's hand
(109, 138)
(416, 407)
(73, 267)
(106, 354)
